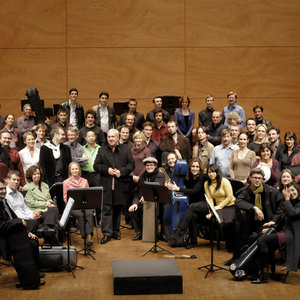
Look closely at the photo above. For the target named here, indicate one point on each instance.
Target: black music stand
(86, 198)
(214, 219)
(157, 194)
(64, 223)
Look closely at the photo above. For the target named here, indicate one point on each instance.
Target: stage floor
(96, 281)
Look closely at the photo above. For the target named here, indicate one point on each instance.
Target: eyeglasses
(257, 178)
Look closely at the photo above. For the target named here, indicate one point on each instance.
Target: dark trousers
(111, 217)
(78, 214)
(137, 219)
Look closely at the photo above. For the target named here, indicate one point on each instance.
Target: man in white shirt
(106, 117)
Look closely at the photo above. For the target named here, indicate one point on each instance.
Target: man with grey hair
(114, 162)
(77, 151)
(27, 121)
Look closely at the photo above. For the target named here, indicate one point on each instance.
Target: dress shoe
(229, 261)
(42, 275)
(191, 245)
(89, 241)
(116, 236)
(19, 285)
(162, 237)
(259, 280)
(138, 236)
(105, 239)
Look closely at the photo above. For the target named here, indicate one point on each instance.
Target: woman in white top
(30, 155)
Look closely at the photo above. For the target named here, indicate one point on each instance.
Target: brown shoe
(89, 241)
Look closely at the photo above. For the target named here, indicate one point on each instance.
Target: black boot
(177, 240)
(262, 278)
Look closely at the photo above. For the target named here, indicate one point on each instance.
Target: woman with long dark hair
(219, 192)
(290, 148)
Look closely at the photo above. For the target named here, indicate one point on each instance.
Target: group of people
(96, 149)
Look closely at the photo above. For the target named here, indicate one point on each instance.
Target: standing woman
(242, 159)
(139, 152)
(289, 150)
(76, 181)
(268, 164)
(30, 155)
(9, 126)
(203, 149)
(260, 137)
(185, 118)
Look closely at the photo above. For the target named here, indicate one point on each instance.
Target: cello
(173, 213)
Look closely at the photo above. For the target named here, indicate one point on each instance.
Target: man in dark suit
(55, 157)
(114, 162)
(16, 242)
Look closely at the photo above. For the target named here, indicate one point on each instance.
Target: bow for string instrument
(173, 213)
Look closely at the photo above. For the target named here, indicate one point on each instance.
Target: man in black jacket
(16, 242)
(74, 109)
(257, 205)
(55, 157)
(114, 162)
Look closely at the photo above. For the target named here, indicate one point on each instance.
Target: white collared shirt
(72, 114)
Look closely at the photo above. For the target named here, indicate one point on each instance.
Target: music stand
(64, 223)
(210, 267)
(157, 194)
(86, 198)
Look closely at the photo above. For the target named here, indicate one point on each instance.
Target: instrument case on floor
(54, 258)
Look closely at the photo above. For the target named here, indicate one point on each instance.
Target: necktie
(6, 208)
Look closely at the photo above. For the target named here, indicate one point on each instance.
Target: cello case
(173, 213)
(36, 104)
(242, 266)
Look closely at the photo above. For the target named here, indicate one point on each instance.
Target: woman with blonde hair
(260, 137)
(76, 181)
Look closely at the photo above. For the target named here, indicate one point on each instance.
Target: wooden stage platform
(96, 281)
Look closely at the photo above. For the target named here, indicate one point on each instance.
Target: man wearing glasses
(257, 207)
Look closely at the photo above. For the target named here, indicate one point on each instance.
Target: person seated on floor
(287, 233)
(151, 174)
(17, 242)
(219, 192)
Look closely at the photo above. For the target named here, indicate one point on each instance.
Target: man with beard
(129, 121)
(274, 139)
(173, 142)
(157, 101)
(259, 116)
(160, 128)
(114, 162)
(139, 118)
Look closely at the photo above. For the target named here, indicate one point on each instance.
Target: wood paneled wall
(140, 49)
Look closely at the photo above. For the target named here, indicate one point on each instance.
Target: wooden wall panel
(26, 68)
(135, 72)
(242, 23)
(125, 23)
(251, 72)
(32, 23)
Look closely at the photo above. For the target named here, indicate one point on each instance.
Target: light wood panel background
(140, 49)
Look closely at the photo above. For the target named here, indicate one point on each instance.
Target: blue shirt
(221, 157)
(236, 108)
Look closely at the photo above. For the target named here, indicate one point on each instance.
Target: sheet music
(65, 216)
(213, 209)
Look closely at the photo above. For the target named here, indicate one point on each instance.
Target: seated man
(33, 218)
(151, 174)
(173, 142)
(17, 242)
(257, 205)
